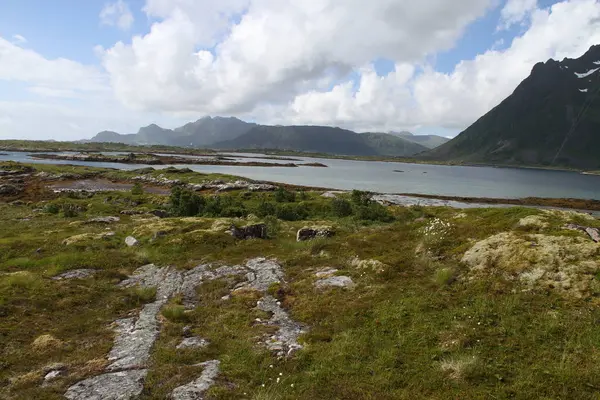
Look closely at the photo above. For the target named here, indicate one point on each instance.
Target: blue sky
(125, 85)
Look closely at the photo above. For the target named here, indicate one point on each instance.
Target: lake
(381, 177)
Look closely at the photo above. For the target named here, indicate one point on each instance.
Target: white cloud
(457, 99)
(515, 12)
(117, 14)
(24, 65)
(283, 61)
(279, 48)
(19, 39)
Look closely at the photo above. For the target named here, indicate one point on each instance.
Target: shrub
(373, 212)
(265, 209)
(341, 208)
(283, 195)
(70, 210)
(292, 212)
(51, 208)
(185, 203)
(361, 198)
(137, 189)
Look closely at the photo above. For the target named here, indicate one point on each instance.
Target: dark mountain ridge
(551, 119)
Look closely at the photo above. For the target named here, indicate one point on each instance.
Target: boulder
(103, 220)
(131, 241)
(75, 274)
(594, 233)
(309, 233)
(335, 281)
(255, 231)
(192, 342)
(159, 213)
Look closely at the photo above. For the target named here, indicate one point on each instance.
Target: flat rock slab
(122, 385)
(135, 339)
(193, 342)
(75, 274)
(326, 273)
(263, 273)
(195, 390)
(335, 281)
(285, 341)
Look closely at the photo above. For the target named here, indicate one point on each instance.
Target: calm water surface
(414, 178)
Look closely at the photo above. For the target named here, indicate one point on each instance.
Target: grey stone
(309, 233)
(159, 213)
(326, 273)
(335, 281)
(75, 274)
(594, 233)
(285, 341)
(121, 385)
(195, 390)
(263, 273)
(103, 220)
(10, 190)
(193, 342)
(131, 241)
(256, 231)
(135, 339)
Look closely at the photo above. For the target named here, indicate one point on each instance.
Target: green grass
(421, 328)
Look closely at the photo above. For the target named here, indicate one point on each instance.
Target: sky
(72, 68)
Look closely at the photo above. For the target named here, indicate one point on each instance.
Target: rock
(256, 231)
(326, 273)
(594, 233)
(87, 236)
(374, 265)
(103, 220)
(75, 274)
(187, 331)
(331, 194)
(263, 273)
(159, 213)
(159, 234)
(309, 233)
(121, 385)
(195, 390)
(132, 212)
(130, 241)
(192, 342)
(285, 341)
(135, 338)
(53, 375)
(10, 190)
(335, 281)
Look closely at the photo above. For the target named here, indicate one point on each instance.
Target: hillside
(232, 133)
(386, 144)
(429, 141)
(317, 139)
(551, 119)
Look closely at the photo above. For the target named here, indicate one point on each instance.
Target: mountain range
(551, 119)
(232, 133)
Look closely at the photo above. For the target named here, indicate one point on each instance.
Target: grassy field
(424, 320)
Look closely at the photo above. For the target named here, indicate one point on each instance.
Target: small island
(155, 159)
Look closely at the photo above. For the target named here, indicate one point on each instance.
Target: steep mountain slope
(552, 118)
(318, 139)
(386, 144)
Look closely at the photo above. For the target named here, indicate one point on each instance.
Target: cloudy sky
(71, 68)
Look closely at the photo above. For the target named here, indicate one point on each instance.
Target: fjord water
(381, 177)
